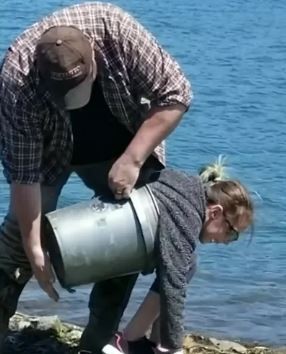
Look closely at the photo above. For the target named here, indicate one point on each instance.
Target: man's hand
(43, 272)
(123, 176)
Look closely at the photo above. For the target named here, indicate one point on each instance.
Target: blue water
(234, 53)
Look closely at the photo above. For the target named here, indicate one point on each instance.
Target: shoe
(142, 346)
(117, 345)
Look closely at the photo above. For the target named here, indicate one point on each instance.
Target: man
(89, 90)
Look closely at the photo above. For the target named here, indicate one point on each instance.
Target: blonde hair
(230, 194)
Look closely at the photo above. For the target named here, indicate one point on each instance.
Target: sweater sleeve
(176, 266)
(181, 201)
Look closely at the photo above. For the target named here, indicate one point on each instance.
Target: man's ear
(215, 211)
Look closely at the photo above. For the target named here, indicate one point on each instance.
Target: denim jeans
(108, 298)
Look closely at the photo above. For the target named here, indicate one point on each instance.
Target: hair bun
(214, 172)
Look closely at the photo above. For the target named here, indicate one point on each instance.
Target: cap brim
(79, 96)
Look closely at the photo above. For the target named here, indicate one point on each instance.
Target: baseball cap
(64, 59)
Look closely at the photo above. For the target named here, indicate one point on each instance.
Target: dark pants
(108, 299)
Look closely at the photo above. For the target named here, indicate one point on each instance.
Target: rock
(23, 324)
(48, 335)
(41, 335)
(226, 345)
(75, 334)
(259, 350)
(46, 323)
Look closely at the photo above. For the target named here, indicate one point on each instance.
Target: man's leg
(107, 303)
(15, 269)
(109, 298)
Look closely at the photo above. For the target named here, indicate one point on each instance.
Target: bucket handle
(146, 231)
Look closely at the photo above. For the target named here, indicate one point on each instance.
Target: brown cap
(64, 59)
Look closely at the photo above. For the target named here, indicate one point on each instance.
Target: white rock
(228, 345)
(45, 323)
(23, 324)
(75, 334)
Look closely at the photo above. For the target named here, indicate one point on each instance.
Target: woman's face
(218, 226)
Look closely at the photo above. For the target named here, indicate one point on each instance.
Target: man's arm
(156, 76)
(26, 202)
(159, 123)
(21, 153)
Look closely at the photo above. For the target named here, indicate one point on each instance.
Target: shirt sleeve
(155, 75)
(21, 136)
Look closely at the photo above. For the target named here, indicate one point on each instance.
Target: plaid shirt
(36, 138)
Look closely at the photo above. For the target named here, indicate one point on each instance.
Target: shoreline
(48, 334)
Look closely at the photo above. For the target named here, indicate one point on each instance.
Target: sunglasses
(234, 234)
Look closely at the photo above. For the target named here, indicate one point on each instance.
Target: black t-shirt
(97, 134)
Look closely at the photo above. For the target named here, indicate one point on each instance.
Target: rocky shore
(41, 335)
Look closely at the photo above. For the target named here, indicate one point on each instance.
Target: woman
(206, 208)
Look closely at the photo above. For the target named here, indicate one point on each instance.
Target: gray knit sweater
(182, 204)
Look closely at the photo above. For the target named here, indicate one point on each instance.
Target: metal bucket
(102, 239)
